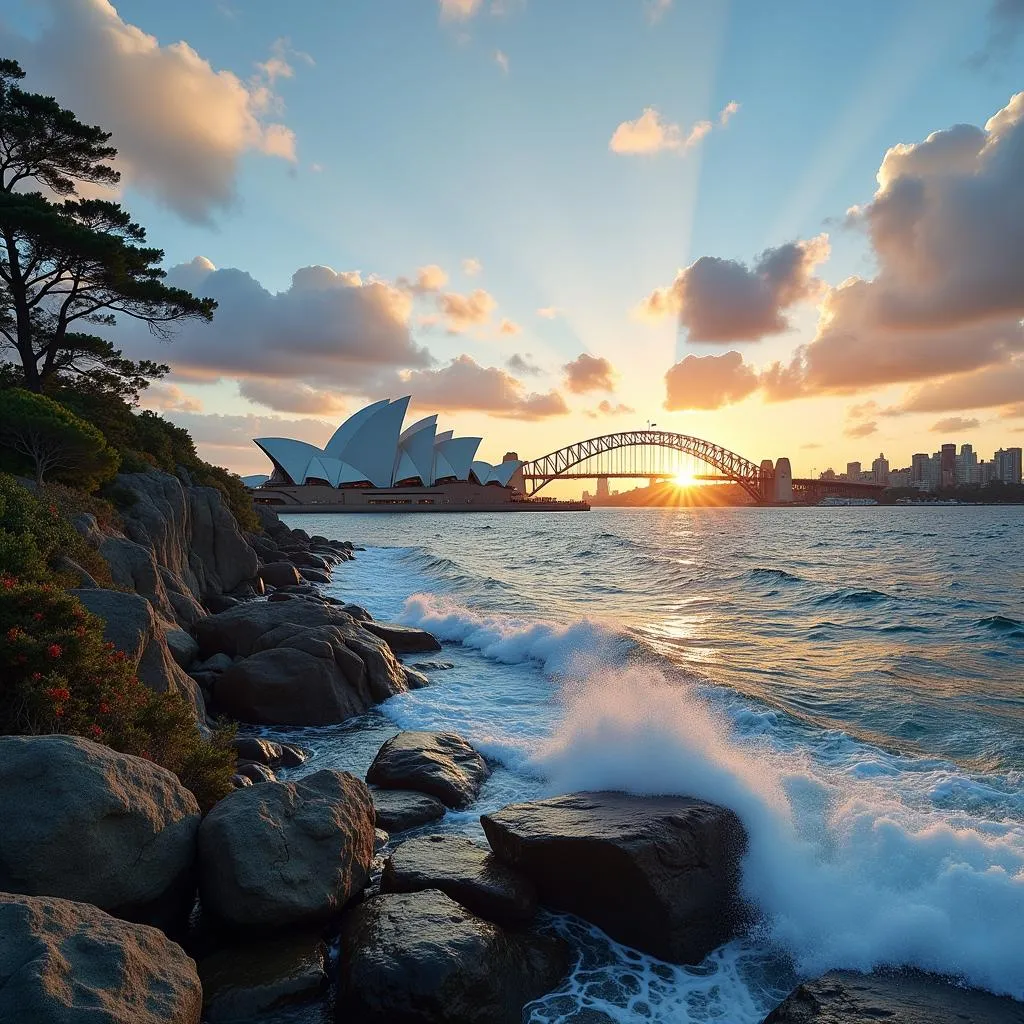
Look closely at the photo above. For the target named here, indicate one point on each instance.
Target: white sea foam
(856, 859)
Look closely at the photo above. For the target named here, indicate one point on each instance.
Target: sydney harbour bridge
(659, 455)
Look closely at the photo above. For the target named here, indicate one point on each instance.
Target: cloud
(509, 327)
(548, 312)
(521, 365)
(290, 396)
(650, 133)
(728, 112)
(181, 127)
(862, 429)
(459, 10)
(589, 373)
(466, 385)
(812, 444)
(946, 226)
(327, 328)
(430, 278)
(162, 396)
(501, 59)
(723, 301)
(461, 312)
(1006, 24)
(656, 10)
(471, 267)
(708, 382)
(952, 424)
(1002, 384)
(863, 409)
(606, 408)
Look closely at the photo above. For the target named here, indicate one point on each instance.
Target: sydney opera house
(371, 464)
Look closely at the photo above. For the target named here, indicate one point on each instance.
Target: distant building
(1008, 465)
(853, 471)
(880, 470)
(967, 466)
(900, 477)
(828, 474)
(920, 471)
(947, 466)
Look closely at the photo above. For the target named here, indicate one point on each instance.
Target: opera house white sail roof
(370, 449)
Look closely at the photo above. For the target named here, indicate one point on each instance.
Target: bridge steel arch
(738, 469)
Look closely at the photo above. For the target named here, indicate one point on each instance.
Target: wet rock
(399, 810)
(358, 612)
(83, 822)
(255, 772)
(422, 957)
(70, 963)
(286, 853)
(278, 574)
(307, 560)
(217, 603)
(241, 983)
(659, 874)
(439, 763)
(292, 756)
(413, 679)
(315, 575)
(403, 639)
(433, 666)
(254, 748)
(467, 873)
(843, 997)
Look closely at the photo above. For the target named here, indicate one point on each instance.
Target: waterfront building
(967, 465)
(828, 474)
(853, 471)
(900, 478)
(880, 470)
(947, 465)
(1008, 465)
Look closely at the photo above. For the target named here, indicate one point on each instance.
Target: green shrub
(60, 676)
(34, 536)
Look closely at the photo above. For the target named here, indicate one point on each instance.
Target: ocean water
(849, 680)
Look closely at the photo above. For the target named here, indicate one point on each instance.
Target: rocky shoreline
(121, 902)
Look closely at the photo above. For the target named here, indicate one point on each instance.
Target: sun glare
(684, 478)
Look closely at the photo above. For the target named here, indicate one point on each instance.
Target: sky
(793, 229)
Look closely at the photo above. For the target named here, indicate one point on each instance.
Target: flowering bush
(60, 676)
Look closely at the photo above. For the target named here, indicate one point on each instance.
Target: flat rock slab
(421, 957)
(439, 763)
(242, 982)
(70, 963)
(467, 873)
(843, 997)
(404, 639)
(399, 810)
(659, 874)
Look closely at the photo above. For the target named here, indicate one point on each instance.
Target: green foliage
(72, 262)
(50, 440)
(34, 536)
(60, 676)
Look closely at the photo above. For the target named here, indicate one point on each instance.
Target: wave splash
(850, 864)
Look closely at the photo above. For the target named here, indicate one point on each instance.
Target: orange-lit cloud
(290, 396)
(509, 327)
(651, 133)
(708, 382)
(162, 396)
(953, 424)
(461, 312)
(589, 373)
(1002, 384)
(430, 278)
(459, 10)
(865, 429)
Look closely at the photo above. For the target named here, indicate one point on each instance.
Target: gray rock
(439, 763)
(911, 997)
(315, 575)
(70, 963)
(69, 566)
(241, 983)
(240, 781)
(421, 957)
(278, 574)
(216, 663)
(84, 822)
(464, 871)
(399, 810)
(219, 554)
(131, 624)
(281, 853)
(308, 560)
(433, 666)
(413, 679)
(403, 639)
(358, 612)
(255, 772)
(292, 756)
(217, 603)
(183, 647)
(659, 874)
(260, 751)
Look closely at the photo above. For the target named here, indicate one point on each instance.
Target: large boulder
(439, 763)
(241, 983)
(842, 997)
(70, 963)
(657, 873)
(219, 555)
(464, 871)
(399, 810)
(404, 639)
(132, 626)
(421, 957)
(286, 853)
(278, 574)
(85, 823)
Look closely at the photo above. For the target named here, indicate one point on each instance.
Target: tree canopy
(67, 262)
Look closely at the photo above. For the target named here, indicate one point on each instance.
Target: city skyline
(549, 222)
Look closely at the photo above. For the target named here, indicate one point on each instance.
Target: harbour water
(849, 680)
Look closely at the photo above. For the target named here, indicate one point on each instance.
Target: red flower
(54, 650)
(104, 708)
(58, 693)
(95, 730)
(59, 712)
(8, 582)
(13, 633)
(119, 655)
(38, 616)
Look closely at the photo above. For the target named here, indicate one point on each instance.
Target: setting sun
(684, 478)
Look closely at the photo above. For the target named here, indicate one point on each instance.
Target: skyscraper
(853, 471)
(880, 469)
(1008, 465)
(919, 475)
(947, 466)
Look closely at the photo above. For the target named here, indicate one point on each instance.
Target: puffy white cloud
(466, 385)
(708, 382)
(718, 300)
(163, 396)
(728, 112)
(953, 424)
(180, 126)
(650, 133)
(589, 373)
(461, 312)
(290, 396)
(328, 329)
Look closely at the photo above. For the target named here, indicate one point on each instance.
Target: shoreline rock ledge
(660, 874)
